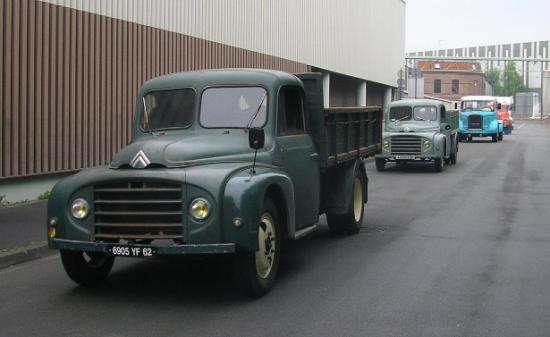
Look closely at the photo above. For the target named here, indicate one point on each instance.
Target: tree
(493, 75)
(506, 82)
(511, 80)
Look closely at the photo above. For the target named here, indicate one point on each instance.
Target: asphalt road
(465, 252)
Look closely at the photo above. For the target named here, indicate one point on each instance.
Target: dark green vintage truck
(221, 162)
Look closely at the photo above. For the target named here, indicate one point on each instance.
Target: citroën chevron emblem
(140, 160)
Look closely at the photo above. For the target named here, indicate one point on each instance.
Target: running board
(304, 231)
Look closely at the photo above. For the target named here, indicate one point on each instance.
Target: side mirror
(499, 106)
(256, 138)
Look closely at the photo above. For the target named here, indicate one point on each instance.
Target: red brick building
(453, 79)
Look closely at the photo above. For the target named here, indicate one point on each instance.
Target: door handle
(314, 155)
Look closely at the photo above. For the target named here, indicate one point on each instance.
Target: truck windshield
(477, 105)
(168, 109)
(401, 113)
(233, 107)
(425, 113)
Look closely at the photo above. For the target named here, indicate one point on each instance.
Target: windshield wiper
(422, 119)
(402, 118)
(256, 113)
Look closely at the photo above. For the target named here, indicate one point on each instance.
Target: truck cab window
(290, 117)
(168, 109)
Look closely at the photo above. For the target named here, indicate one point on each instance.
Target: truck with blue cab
(479, 118)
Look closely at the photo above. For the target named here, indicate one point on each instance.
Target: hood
(412, 127)
(180, 150)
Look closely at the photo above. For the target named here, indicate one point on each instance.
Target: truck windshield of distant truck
(420, 113)
(478, 105)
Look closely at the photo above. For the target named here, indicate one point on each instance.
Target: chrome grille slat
(138, 210)
(405, 144)
(475, 122)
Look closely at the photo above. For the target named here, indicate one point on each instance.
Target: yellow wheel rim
(357, 199)
(265, 256)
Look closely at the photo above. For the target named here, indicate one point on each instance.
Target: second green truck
(419, 130)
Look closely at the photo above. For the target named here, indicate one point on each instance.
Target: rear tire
(256, 272)
(87, 269)
(500, 136)
(438, 165)
(351, 221)
(454, 157)
(380, 164)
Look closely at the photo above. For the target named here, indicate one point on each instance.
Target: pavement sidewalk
(23, 233)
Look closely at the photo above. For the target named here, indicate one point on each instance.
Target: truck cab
(505, 115)
(419, 130)
(223, 162)
(479, 118)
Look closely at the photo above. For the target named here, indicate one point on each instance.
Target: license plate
(130, 251)
(404, 157)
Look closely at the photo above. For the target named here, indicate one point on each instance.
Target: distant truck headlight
(199, 208)
(426, 144)
(386, 144)
(80, 208)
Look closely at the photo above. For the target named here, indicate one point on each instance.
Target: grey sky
(433, 24)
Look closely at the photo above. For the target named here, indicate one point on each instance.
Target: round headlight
(199, 209)
(80, 208)
(426, 144)
(386, 144)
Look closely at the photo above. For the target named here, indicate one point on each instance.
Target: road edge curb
(23, 254)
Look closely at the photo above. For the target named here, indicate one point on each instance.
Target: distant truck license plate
(404, 157)
(130, 251)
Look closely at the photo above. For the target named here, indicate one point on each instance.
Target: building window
(437, 86)
(455, 87)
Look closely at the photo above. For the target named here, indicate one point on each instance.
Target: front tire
(494, 138)
(500, 136)
(85, 268)
(255, 272)
(351, 221)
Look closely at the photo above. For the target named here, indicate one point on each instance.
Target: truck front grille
(475, 122)
(405, 145)
(138, 210)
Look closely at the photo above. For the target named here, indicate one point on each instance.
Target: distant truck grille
(138, 210)
(475, 122)
(405, 145)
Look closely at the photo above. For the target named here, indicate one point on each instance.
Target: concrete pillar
(387, 97)
(546, 93)
(326, 89)
(362, 93)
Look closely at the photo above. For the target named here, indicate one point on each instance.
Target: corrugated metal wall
(68, 81)
(359, 38)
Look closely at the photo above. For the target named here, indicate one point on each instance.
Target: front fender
(243, 199)
(440, 145)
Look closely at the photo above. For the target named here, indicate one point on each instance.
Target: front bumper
(415, 157)
(185, 249)
(477, 133)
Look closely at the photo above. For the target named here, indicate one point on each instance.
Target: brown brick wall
(466, 84)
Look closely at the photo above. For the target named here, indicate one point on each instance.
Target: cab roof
(413, 102)
(220, 77)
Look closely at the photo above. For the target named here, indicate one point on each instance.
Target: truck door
(297, 155)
